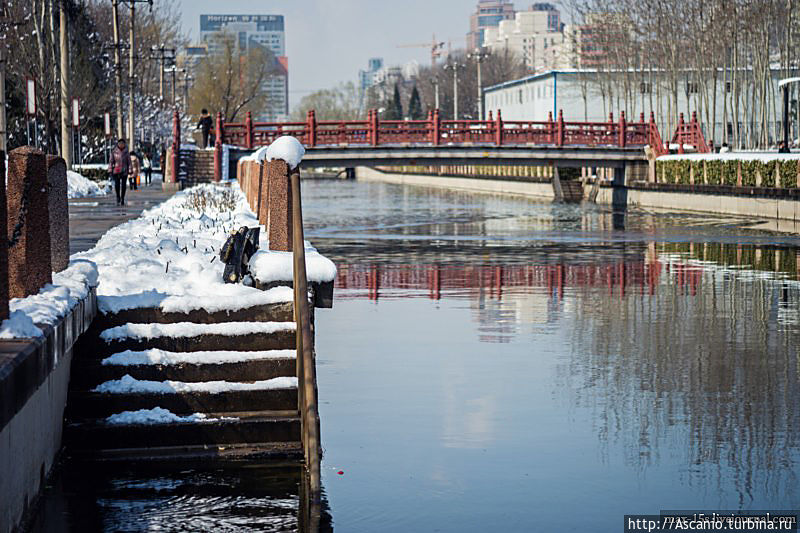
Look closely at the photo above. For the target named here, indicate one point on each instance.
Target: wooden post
(560, 132)
(551, 135)
(218, 149)
(498, 131)
(248, 124)
(436, 129)
(622, 126)
(681, 129)
(311, 124)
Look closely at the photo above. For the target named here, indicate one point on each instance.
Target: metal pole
(173, 85)
(455, 91)
(66, 137)
(118, 69)
(480, 91)
(436, 92)
(131, 50)
(161, 75)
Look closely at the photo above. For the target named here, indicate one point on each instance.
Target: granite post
(29, 267)
(279, 206)
(3, 242)
(58, 208)
(263, 195)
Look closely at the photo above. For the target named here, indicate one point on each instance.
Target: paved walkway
(90, 218)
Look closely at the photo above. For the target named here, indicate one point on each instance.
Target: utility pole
(117, 69)
(3, 21)
(66, 132)
(454, 66)
(479, 55)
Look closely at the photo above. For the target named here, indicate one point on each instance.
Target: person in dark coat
(205, 124)
(119, 168)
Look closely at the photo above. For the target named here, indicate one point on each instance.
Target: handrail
(306, 367)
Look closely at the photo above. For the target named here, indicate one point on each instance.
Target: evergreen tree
(415, 106)
(395, 109)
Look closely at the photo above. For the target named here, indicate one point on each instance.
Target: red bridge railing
(434, 131)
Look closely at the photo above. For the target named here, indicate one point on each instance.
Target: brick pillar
(3, 242)
(29, 266)
(58, 208)
(279, 217)
(263, 195)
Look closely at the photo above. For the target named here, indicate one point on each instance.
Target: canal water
(500, 364)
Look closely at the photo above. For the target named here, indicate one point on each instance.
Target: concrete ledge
(34, 379)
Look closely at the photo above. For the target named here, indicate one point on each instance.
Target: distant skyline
(328, 41)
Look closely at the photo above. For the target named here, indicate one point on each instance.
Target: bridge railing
(495, 131)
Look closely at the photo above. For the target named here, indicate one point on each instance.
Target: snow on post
(29, 267)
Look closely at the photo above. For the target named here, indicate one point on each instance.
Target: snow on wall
(129, 385)
(193, 329)
(162, 357)
(52, 303)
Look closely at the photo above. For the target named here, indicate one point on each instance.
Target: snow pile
(168, 257)
(162, 357)
(286, 148)
(159, 415)
(52, 303)
(192, 329)
(80, 187)
(763, 157)
(268, 265)
(130, 385)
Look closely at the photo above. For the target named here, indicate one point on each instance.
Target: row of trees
(31, 46)
(721, 58)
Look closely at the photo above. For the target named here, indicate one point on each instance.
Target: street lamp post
(436, 92)
(454, 66)
(479, 55)
(131, 56)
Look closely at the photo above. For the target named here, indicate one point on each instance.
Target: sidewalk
(90, 218)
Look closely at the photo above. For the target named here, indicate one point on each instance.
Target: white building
(590, 95)
(537, 36)
(257, 30)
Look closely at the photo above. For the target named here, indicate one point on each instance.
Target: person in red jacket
(119, 168)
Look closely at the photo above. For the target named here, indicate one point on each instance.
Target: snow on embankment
(763, 157)
(52, 303)
(81, 187)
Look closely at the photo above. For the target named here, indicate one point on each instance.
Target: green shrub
(789, 174)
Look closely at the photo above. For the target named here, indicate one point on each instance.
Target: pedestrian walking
(147, 168)
(119, 167)
(204, 124)
(136, 168)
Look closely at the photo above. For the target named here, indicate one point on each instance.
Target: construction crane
(435, 46)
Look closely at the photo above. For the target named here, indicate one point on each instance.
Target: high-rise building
(249, 31)
(488, 14)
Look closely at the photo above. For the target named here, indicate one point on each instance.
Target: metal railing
(306, 365)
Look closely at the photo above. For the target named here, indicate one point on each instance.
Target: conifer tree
(415, 105)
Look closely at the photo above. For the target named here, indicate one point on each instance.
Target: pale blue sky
(328, 41)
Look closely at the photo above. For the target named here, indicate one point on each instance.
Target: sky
(329, 41)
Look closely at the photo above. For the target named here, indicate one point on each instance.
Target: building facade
(367, 79)
(590, 95)
(488, 14)
(250, 31)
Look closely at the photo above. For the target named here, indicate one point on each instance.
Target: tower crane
(436, 48)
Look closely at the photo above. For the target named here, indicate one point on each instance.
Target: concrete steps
(186, 386)
(197, 166)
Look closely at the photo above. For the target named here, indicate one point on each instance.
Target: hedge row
(725, 172)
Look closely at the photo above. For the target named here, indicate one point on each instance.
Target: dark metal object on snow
(236, 253)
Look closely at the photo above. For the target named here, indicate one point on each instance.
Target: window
(728, 86)
(691, 87)
(645, 87)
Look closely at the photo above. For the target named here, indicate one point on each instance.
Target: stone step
(189, 337)
(274, 454)
(88, 373)
(276, 312)
(83, 405)
(228, 428)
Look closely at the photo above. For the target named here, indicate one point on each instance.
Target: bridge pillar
(29, 267)
(436, 128)
(498, 129)
(622, 127)
(3, 242)
(560, 129)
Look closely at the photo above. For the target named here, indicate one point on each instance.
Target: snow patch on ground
(130, 385)
(52, 303)
(764, 157)
(266, 265)
(159, 415)
(165, 358)
(191, 329)
(81, 187)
